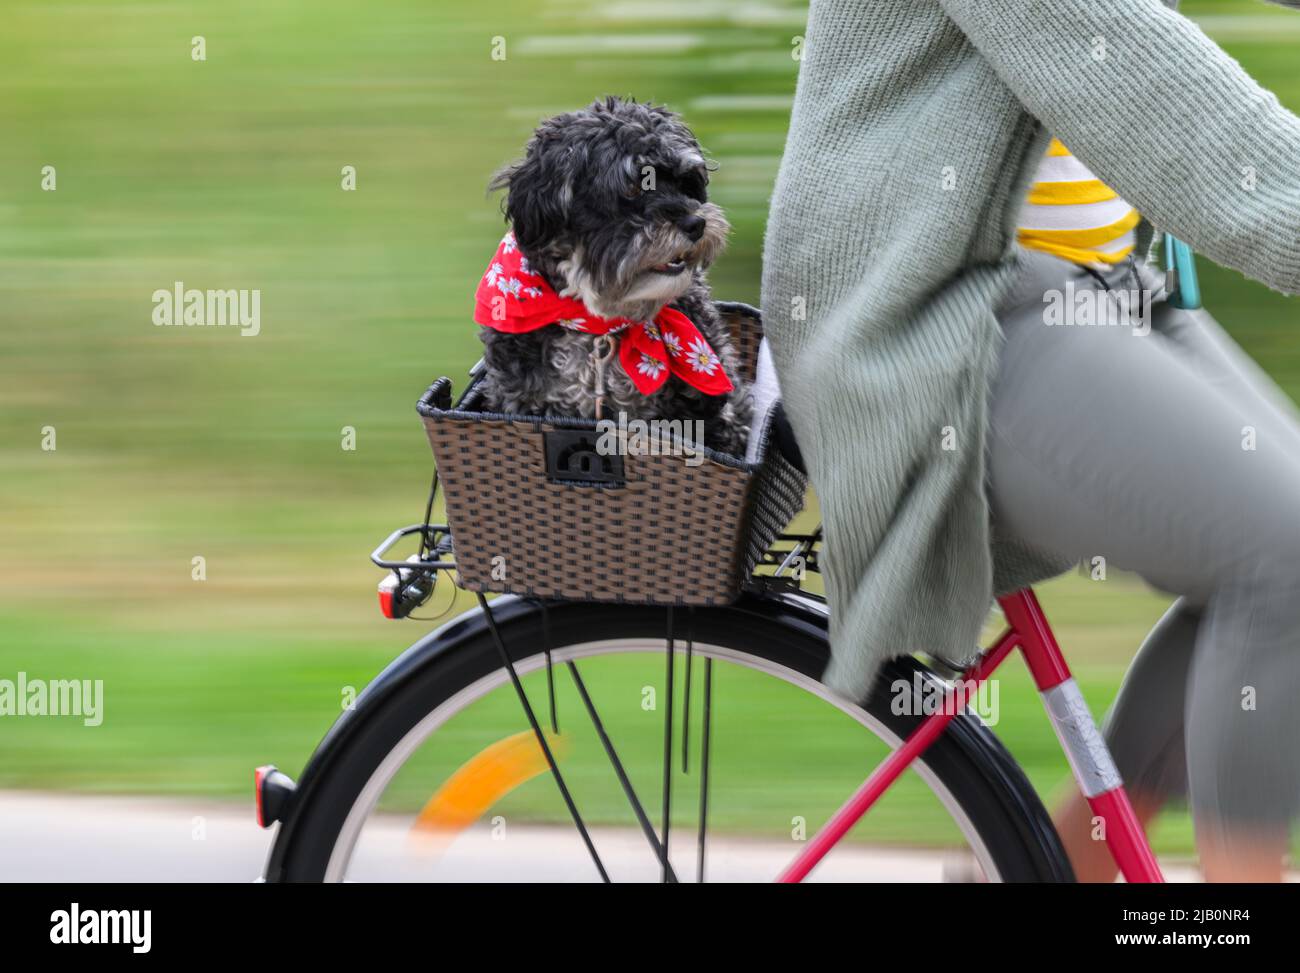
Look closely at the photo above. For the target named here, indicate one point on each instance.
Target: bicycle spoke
(550, 671)
(686, 700)
(541, 738)
(704, 765)
(642, 818)
(668, 748)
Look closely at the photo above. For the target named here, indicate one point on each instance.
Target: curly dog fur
(610, 205)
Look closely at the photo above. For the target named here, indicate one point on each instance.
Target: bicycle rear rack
(411, 582)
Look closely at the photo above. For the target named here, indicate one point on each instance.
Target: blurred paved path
(70, 838)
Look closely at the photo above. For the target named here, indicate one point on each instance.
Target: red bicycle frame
(1090, 760)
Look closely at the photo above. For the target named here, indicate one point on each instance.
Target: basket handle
(437, 395)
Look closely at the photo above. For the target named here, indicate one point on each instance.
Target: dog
(614, 232)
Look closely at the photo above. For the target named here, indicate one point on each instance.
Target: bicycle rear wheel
(782, 752)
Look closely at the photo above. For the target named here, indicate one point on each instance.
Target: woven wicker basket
(534, 511)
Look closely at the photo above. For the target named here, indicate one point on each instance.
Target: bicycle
(329, 828)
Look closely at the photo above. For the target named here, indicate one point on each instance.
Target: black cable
(425, 546)
(1096, 275)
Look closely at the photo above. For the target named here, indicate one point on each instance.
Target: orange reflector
(482, 781)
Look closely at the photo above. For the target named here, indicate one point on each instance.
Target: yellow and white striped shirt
(1072, 214)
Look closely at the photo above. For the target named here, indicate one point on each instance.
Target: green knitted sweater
(915, 130)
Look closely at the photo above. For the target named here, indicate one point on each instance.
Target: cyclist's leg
(1105, 443)
(1145, 733)
(1251, 853)
(1145, 727)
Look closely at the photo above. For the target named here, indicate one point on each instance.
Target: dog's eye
(694, 184)
(648, 179)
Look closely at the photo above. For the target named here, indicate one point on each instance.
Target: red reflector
(259, 777)
(386, 602)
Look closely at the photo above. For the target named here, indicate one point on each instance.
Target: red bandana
(512, 298)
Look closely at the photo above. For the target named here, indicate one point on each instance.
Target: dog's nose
(692, 226)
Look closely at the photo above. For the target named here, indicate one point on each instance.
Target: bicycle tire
(968, 762)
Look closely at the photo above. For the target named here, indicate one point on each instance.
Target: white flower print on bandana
(702, 358)
(650, 367)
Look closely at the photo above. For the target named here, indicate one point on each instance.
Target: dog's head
(611, 204)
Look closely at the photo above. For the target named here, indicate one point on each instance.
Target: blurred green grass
(177, 442)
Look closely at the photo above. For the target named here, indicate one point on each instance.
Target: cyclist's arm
(1161, 114)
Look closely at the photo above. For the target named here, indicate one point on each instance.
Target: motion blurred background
(174, 443)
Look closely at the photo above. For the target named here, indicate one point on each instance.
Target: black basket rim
(429, 411)
(739, 307)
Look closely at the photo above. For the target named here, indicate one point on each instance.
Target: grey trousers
(1172, 455)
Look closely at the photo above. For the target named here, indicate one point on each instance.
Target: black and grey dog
(610, 206)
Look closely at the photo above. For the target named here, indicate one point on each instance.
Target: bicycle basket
(535, 509)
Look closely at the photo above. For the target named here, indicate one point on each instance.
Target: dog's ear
(535, 207)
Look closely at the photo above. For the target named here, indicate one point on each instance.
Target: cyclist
(990, 382)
